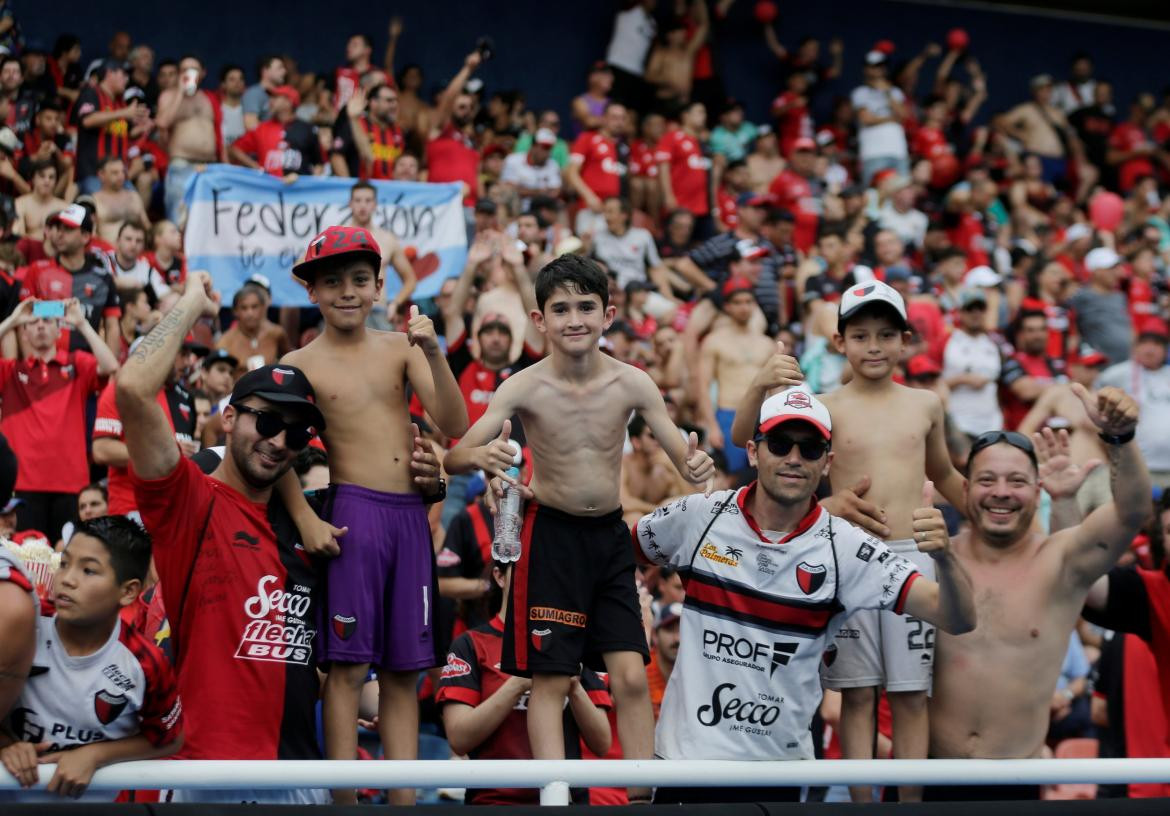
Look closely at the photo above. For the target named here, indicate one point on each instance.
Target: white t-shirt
(910, 225)
(633, 32)
(143, 274)
(629, 255)
(886, 139)
(757, 617)
(1151, 389)
(518, 171)
(974, 410)
(126, 687)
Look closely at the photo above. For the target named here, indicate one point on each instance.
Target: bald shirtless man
(114, 202)
(993, 686)
(730, 356)
(649, 479)
(1059, 408)
(188, 118)
(363, 201)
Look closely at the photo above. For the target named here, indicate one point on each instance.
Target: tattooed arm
(149, 438)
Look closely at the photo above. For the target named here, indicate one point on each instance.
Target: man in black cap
(241, 594)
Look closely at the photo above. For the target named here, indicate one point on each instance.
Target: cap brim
(780, 420)
(307, 271)
(666, 621)
(209, 361)
(317, 419)
(891, 308)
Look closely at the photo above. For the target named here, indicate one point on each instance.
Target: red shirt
(642, 162)
(728, 211)
(452, 157)
(242, 600)
(1039, 367)
(930, 142)
(690, 170)
(792, 119)
(471, 675)
(597, 158)
(1062, 329)
(387, 144)
(1125, 137)
(792, 192)
(108, 425)
(1142, 300)
(44, 418)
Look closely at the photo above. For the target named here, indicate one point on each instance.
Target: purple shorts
(380, 592)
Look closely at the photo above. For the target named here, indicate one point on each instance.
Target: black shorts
(572, 597)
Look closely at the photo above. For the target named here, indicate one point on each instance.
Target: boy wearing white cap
(888, 436)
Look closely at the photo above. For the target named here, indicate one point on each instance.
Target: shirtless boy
(574, 599)
(893, 435)
(730, 356)
(649, 479)
(34, 207)
(993, 686)
(363, 200)
(114, 202)
(381, 589)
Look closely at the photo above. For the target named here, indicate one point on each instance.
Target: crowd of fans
(1030, 245)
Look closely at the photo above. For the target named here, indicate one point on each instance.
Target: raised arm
(939, 468)
(453, 321)
(781, 371)
(950, 603)
(431, 377)
(406, 275)
(107, 360)
(514, 258)
(394, 31)
(447, 100)
(693, 464)
(149, 438)
(1095, 545)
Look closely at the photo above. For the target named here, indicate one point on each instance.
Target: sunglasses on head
(1013, 438)
(270, 424)
(780, 444)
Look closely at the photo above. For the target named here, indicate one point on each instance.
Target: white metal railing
(555, 777)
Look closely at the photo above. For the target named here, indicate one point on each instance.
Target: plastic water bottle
(509, 514)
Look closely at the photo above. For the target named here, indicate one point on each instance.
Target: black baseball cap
(283, 385)
(220, 356)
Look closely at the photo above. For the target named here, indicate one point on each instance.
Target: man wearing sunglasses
(241, 593)
(769, 577)
(993, 688)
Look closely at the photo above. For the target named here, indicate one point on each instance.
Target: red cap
(336, 243)
(1088, 357)
(1153, 327)
(921, 365)
(804, 143)
(495, 149)
(737, 284)
(288, 92)
(885, 46)
(1033, 305)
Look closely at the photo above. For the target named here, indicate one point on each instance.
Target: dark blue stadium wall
(544, 46)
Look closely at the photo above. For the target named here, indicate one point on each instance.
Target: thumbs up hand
(930, 530)
(498, 456)
(781, 371)
(420, 331)
(700, 468)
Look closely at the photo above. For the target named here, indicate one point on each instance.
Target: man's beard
(256, 479)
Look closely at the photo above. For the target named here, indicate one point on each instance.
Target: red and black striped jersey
(471, 675)
(242, 600)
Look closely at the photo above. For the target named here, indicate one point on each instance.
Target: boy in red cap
(876, 649)
(380, 590)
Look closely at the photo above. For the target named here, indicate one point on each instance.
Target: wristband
(435, 498)
(1117, 439)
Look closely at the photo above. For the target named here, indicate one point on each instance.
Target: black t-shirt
(95, 143)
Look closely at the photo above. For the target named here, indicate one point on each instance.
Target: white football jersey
(757, 618)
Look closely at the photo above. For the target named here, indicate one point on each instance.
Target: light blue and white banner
(241, 222)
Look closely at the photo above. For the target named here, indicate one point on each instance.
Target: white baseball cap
(1101, 258)
(796, 403)
(868, 292)
(983, 276)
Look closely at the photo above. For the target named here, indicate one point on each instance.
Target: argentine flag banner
(241, 222)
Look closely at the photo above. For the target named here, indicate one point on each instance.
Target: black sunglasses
(781, 444)
(1015, 439)
(270, 424)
